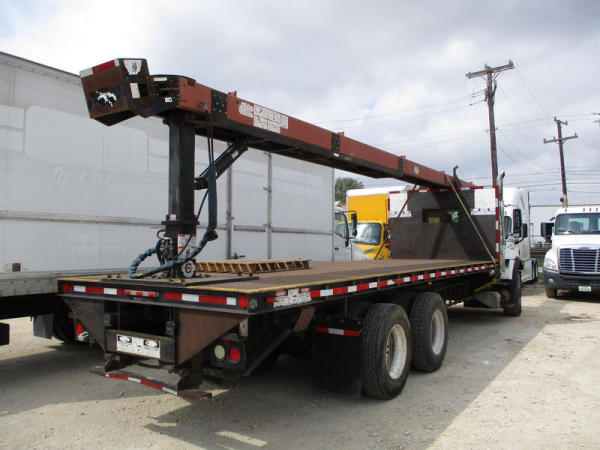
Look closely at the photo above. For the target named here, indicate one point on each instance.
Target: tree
(342, 184)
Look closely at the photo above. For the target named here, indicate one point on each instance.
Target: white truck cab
(343, 232)
(573, 261)
(517, 245)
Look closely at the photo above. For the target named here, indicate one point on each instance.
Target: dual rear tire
(391, 342)
(429, 322)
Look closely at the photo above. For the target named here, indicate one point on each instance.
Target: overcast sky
(390, 73)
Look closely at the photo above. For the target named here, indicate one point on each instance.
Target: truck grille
(580, 260)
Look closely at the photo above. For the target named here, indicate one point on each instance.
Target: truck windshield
(579, 223)
(368, 233)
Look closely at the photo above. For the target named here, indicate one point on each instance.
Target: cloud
(391, 74)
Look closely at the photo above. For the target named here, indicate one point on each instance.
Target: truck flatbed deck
(266, 291)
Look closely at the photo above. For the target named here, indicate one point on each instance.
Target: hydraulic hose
(210, 234)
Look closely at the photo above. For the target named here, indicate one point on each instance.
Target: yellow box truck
(374, 207)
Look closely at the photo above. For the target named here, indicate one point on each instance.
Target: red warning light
(234, 354)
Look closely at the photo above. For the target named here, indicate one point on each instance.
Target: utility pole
(490, 92)
(560, 140)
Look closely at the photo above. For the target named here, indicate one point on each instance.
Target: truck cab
(517, 243)
(573, 261)
(345, 229)
(372, 239)
(373, 209)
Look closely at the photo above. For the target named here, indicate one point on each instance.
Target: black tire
(385, 351)
(429, 325)
(63, 328)
(514, 308)
(551, 292)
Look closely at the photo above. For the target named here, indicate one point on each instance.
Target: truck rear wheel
(429, 325)
(63, 328)
(514, 307)
(551, 292)
(385, 351)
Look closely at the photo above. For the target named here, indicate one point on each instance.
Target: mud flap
(336, 360)
(91, 314)
(42, 325)
(4, 334)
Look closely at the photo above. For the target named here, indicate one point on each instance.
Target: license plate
(585, 289)
(138, 346)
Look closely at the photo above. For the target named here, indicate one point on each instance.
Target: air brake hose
(209, 235)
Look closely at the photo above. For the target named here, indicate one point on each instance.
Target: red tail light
(234, 354)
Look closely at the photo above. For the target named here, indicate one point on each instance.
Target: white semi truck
(573, 261)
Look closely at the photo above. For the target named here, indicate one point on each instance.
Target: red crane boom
(122, 88)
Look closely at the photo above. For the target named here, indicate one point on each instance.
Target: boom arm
(123, 88)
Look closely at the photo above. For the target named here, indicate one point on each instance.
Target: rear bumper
(582, 283)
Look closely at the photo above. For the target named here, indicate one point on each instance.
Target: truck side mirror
(517, 223)
(525, 231)
(546, 230)
(354, 229)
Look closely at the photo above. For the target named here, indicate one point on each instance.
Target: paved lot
(527, 382)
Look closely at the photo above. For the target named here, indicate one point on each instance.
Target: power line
(406, 118)
(532, 94)
(449, 102)
(518, 112)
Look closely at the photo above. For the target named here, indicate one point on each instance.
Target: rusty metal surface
(197, 329)
(334, 272)
(251, 266)
(304, 319)
(444, 238)
(323, 273)
(110, 99)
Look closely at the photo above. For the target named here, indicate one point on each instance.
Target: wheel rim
(396, 350)
(438, 332)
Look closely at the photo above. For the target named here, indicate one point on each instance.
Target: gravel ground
(527, 382)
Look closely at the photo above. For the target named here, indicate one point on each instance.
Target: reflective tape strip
(147, 294)
(99, 68)
(468, 188)
(142, 381)
(95, 290)
(241, 302)
(337, 331)
(390, 282)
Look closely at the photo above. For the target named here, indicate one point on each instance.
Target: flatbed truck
(364, 323)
